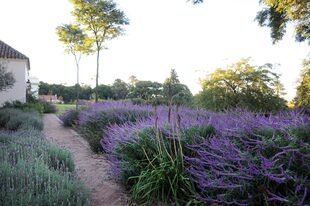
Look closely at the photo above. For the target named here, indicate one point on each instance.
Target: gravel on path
(90, 168)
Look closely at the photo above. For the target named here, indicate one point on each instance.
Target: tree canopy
(77, 43)
(119, 89)
(242, 85)
(174, 92)
(303, 89)
(146, 90)
(102, 20)
(7, 79)
(276, 14)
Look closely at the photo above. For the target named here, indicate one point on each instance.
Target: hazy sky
(163, 34)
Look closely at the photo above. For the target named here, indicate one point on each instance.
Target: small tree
(174, 92)
(103, 20)
(7, 79)
(76, 43)
(119, 89)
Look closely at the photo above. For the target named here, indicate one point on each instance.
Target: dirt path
(91, 168)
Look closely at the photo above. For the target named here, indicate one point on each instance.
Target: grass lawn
(63, 107)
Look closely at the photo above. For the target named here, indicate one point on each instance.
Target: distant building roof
(48, 98)
(8, 52)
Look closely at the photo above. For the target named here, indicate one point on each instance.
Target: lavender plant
(254, 160)
(32, 171)
(93, 121)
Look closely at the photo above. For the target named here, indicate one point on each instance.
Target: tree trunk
(77, 87)
(97, 76)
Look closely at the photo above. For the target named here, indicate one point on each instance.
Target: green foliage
(242, 85)
(105, 91)
(33, 172)
(70, 117)
(93, 128)
(14, 119)
(152, 165)
(59, 159)
(68, 93)
(77, 43)
(61, 108)
(7, 79)
(303, 89)
(32, 105)
(102, 20)
(278, 13)
(175, 92)
(119, 89)
(75, 39)
(146, 90)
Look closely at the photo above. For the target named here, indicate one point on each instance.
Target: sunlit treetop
(276, 14)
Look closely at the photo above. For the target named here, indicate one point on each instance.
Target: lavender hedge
(229, 158)
(254, 160)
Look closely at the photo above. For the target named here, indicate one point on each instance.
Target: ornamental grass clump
(152, 167)
(148, 156)
(254, 160)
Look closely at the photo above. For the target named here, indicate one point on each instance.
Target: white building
(19, 65)
(34, 83)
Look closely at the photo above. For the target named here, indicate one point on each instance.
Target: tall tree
(146, 90)
(105, 92)
(7, 79)
(119, 89)
(242, 85)
(103, 20)
(303, 89)
(76, 43)
(175, 92)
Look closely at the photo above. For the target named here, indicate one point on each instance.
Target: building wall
(20, 72)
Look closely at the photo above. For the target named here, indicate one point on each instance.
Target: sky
(162, 35)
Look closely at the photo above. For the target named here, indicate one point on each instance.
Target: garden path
(91, 168)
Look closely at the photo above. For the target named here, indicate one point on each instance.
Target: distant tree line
(139, 91)
(239, 85)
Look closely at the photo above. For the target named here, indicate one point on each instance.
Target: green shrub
(14, 119)
(48, 107)
(301, 132)
(70, 117)
(33, 172)
(59, 159)
(31, 106)
(93, 123)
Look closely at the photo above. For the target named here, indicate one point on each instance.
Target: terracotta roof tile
(8, 52)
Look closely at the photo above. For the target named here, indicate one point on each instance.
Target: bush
(33, 172)
(94, 121)
(33, 105)
(70, 117)
(14, 119)
(48, 107)
(254, 160)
